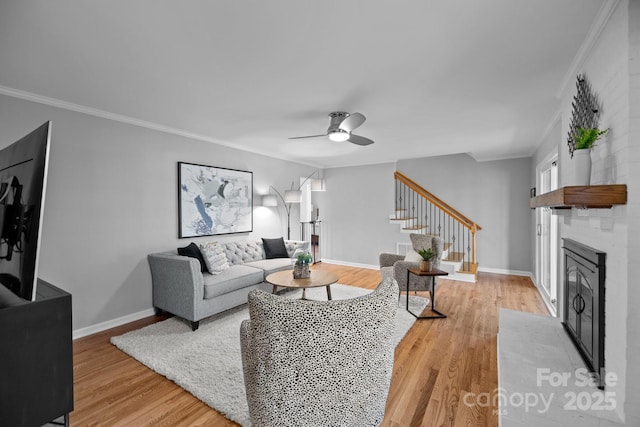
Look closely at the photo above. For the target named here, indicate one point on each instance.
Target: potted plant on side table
(585, 139)
(427, 259)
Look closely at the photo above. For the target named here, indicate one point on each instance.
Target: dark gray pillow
(193, 251)
(274, 248)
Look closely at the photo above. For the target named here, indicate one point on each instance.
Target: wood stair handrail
(436, 201)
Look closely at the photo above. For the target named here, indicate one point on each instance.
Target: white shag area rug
(208, 364)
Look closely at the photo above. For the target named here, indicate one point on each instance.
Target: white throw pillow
(214, 257)
(412, 256)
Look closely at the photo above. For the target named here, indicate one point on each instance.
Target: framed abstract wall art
(214, 200)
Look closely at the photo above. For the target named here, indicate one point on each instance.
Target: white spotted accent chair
(319, 363)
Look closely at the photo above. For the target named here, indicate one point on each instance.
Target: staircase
(419, 211)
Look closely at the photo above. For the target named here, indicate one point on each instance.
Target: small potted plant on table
(427, 259)
(301, 265)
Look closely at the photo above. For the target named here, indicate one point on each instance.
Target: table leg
(438, 315)
(275, 288)
(433, 293)
(328, 293)
(408, 292)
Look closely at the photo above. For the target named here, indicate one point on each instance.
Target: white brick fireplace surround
(611, 63)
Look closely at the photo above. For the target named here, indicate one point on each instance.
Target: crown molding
(53, 102)
(600, 21)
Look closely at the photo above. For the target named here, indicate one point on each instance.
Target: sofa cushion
(274, 248)
(193, 251)
(243, 251)
(231, 279)
(214, 257)
(271, 265)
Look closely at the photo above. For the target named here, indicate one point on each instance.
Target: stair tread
(415, 227)
(408, 218)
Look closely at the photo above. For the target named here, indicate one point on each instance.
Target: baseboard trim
(352, 264)
(99, 327)
(505, 271)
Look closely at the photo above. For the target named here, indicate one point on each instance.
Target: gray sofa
(180, 288)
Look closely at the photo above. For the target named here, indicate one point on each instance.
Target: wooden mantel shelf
(585, 196)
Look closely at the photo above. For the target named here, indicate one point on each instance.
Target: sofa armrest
(178, 285)
(387, 259)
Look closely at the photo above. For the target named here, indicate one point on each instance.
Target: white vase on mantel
(581, 167)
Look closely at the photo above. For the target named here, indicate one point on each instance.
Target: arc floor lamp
(292, 196)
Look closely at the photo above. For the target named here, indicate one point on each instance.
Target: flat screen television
(23, 177)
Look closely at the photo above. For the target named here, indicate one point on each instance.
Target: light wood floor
(437, 363)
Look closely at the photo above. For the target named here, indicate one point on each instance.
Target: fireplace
(583, 317)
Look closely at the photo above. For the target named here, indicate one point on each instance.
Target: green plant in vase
(427, 258)
(304, 258)
(301, 265)
(585, 138)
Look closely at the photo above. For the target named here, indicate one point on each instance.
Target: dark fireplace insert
(583, 317)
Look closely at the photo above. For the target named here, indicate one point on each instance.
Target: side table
(433, 274)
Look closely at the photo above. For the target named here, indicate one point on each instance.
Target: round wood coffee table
(318, 278)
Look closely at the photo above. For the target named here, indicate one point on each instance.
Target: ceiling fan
(341, 126)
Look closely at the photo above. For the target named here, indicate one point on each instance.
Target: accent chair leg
(195, 325)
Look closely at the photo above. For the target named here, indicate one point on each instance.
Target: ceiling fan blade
(310, 136)
(353, 121)
(359, 140)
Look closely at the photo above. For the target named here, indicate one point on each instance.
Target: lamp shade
(292, 196)
(269, 200)
(317, 185)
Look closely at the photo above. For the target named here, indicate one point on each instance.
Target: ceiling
(432, 77)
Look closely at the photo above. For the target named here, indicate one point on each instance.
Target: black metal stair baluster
(469, 246)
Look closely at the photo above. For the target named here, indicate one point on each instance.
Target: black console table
(36, 360)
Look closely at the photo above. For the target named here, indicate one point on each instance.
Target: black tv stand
(36, 361)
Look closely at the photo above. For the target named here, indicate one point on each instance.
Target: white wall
(112, 199)
(494, 194)
(355, 213)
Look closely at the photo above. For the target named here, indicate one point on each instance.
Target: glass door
(547, 235)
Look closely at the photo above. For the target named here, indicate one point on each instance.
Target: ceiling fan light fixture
(338, 135)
